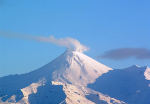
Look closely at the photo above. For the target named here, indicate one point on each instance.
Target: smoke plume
(70, 43)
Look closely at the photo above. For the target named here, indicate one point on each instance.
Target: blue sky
(101, 25)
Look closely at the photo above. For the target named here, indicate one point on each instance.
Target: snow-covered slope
(147, 73)
(77, 69)
(131, 84)
(62, 81)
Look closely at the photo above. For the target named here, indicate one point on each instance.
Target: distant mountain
(131, 85)
(62, 81)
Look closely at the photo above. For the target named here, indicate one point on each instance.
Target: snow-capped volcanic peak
(64, 80)
(78, 69)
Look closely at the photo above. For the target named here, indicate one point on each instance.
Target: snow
(78, 69)
(82, 95)
(147, 73)
(27, 91)
(62, 81)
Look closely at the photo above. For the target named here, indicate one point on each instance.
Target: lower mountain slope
(131, 84)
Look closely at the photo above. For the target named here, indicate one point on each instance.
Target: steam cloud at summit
(70, 43)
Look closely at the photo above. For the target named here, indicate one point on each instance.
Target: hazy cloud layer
(124, 53)
(69, 43)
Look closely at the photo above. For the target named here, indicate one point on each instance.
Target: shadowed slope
(129, 85)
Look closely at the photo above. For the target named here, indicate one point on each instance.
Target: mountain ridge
(131, 84)
(62, 81)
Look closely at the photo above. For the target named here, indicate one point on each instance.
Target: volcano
(62, 81)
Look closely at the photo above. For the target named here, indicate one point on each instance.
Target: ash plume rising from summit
(68, 42)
